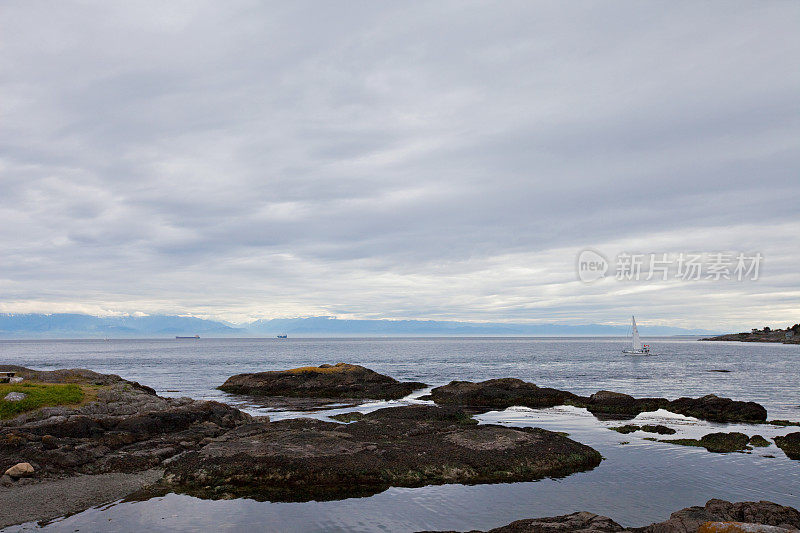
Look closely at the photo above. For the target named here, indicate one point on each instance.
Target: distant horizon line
(340, 336)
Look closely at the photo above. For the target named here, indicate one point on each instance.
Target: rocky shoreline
(507, 392)
(124, 437)
(717, 516)
(790, 335)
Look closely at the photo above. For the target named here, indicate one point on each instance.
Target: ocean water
(638, 482)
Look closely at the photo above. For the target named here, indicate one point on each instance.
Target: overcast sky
(442, 160)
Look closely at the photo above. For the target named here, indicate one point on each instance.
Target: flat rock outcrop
(503, 393)
(499, 394)
(325, 381)
(717, 442)
(716, 409)
(616, 405)
(302, 459)
(126, 427)
(716, 515)
(690, 519)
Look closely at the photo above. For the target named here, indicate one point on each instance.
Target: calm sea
(639, 481)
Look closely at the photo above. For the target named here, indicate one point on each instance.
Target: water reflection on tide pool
(638, 483)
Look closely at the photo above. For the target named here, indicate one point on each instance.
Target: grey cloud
(392, 160)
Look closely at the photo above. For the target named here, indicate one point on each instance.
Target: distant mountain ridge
(69, 325)
(72, 325)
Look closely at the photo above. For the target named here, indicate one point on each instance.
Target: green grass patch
(38, 395)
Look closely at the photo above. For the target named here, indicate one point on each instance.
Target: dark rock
(783, 423)
(303, 459)
(658, 428)
(348, 417)
(499, 394)
(114, 433)
(745, 514)
(724, 442)
(327, 381)
(690, 519)
(628, 428)
(790, 444)
(758, 441)
(605, 405)
(615, 405)
(710, 407)
(583, 521)
(716, 409)
(647, 428)
(716, 442)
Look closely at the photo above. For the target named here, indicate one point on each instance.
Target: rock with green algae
(348, 417)
(758, 441)
(790, 444)
(716, 442)
(783, 423)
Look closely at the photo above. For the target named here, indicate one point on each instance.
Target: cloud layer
(442, 160)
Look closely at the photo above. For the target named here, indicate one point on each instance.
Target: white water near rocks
(639, 482)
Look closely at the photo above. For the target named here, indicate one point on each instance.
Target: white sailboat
(638, 348)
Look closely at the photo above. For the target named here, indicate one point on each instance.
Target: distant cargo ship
(193, 337)
(282, 336)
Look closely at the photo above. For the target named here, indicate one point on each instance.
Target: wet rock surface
(503, 393)
(749, 515)
(716, 442)
(302, 459)
(340, 381)
(758, 441)
(790, 444)
(499, 394)
(716, 409)
(647, 428)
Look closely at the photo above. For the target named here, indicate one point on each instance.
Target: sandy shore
(50, 499)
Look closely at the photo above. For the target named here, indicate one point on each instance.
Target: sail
(637, 344)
